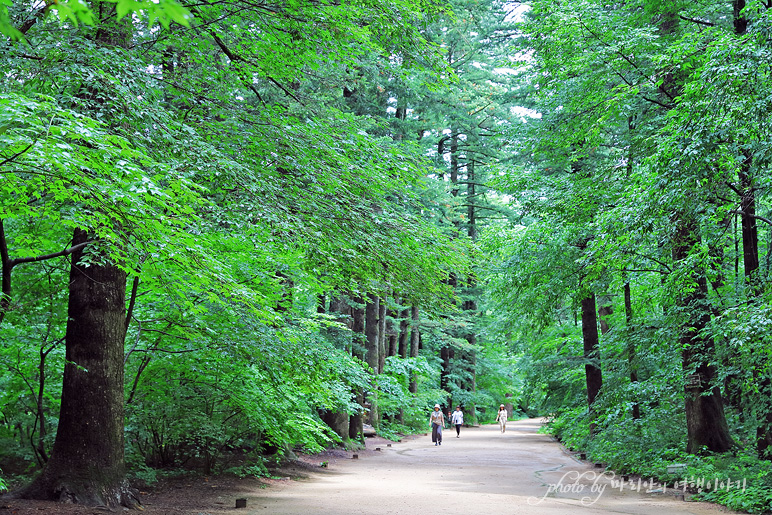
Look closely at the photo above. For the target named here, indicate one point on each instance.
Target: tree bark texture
(87, 459)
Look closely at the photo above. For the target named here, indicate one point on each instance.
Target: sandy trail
(483, 471)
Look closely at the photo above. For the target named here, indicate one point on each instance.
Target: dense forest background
(253, 227)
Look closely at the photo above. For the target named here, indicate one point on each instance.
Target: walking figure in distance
(458, 420)
(501, 418)
(438, 420)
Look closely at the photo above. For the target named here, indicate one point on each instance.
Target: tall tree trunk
(392, 333)
(705, 420)
(415, 341)
(750, 233)
(592, 370)
(356, 429)
(358, 327)
(471, 410)
(469, 357)
(337, 420)
(404, 333)
(372, 350)
(753, 283)
(87, 461)
(372, 332)
(454, 162)
(382, 337)
(632, 361)
(446, 356)
(471, 195)
(471, 305)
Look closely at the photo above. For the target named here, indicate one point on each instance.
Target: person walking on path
(458, 420)
(438, 420)
(501, 418)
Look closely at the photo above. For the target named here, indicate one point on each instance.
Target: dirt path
(483, 471)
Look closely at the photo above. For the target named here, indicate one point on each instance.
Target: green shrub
(140, 475)
(741, 467)
(257, 468)
(752, 499)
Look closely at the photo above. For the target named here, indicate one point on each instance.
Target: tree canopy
(259, 226)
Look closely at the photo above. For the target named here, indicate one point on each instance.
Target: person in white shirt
(501, 418)
(438, 420)
(458, 420)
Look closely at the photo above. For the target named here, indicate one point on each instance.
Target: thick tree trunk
(87, 461)
(705, 420)
(338, 422)
(470, 361)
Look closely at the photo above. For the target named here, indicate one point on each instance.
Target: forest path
(483, 471)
